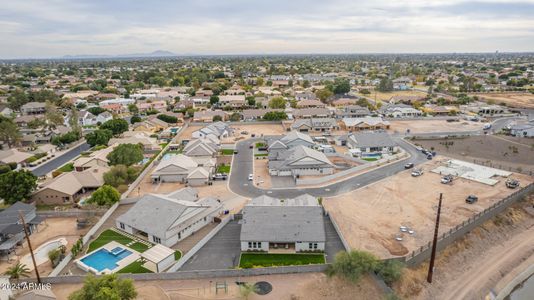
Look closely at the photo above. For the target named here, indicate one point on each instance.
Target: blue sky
(53, 28)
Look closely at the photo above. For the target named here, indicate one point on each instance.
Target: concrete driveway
(221, 252)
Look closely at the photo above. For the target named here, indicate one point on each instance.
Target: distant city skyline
(55, 28)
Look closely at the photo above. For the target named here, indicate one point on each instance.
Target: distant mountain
(157, 53)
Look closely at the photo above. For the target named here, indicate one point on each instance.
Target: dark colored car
(408, 166)
(471, 199)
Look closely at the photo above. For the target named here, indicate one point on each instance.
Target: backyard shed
(158, 258)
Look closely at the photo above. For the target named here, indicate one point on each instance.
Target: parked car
(251, 146)
(250, 177)
(446, 179)
(471, 199)
(417, 173)
(408, 166)
(244, 132)
(235, 151)
(429, 156)
(220, 176)
(512, 183)
(253, 135)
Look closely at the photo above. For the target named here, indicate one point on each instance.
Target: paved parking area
(221, 252)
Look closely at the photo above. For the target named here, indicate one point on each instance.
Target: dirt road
(491, 266)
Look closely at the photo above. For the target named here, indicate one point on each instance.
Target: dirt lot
(424, 126)
(369, 218)
(486, 259)
(51, 229)
(310, 286)
(385, 97)
(186, 134)
(493, 150)
(521, 100)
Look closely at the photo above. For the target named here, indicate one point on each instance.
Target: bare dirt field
(427, 126)
(386, 96)
(370, 217)
(506, 153)
(186, 134)
(518, 99)
(262, 179)
(51, 229)
(257, 128)
(309, 286)
(485, 259)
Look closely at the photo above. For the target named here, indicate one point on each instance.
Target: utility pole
(434, 243)
(30, 246)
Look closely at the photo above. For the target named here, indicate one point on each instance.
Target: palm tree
(17, 271)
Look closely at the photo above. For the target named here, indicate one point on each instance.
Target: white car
(250, 177)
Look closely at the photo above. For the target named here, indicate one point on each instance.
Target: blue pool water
(104, 259)
(374, 155)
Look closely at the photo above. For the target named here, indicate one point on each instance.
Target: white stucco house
(300, 160)
(294, 225)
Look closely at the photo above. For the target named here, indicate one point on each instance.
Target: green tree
(235, 117)
(324, 94)
(99, 137)
(259, 81)
(53, 117)
(214, 99)
(341, 86)
(135, 119)
(17, 186)
(117, 126)
(120, 175)
(17, 99)
(105, 195)
(96, 110)
(9, 132)
(126, 154)
(352, 265)
(390, 270)
(277, 102)
(167, 118)
(216, 118)
(17, 271)
(251, 101)
(106, 287)
(274, 116)
(133, 108)
(386, 85)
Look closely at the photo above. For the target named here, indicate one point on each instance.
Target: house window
(310, 246)
(156, 239)
(179, 235)
(315, 246)
(122, 226)
(249, 244)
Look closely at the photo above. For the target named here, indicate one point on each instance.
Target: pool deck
(120, 264)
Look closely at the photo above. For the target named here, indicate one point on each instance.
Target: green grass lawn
(67, 168)
(260, 144)
(223, 169)
(370, 158)
(261, 154)
(177, 254)
(227, 152)
(250, 260)
(135, 268)
(110, 235)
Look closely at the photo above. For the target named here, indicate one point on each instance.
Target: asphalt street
(60, 160)
(243, 164)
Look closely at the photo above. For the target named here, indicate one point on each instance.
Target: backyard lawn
(135, 267)
(67, 168)
(370, 158)
(110, 235)
(250, 260)
(227, 152)
(223, 169)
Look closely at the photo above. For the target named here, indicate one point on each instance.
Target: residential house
(271, 225)
(115, 108)
(316, 112)
(300, 160)
(438, 110)
(256, 114)
(352, 111)
(13, 156)
(368, 142)
(179, 168)
(150, 125)
(205, 147)
(400, 111)
(206, 116)
(300, 96)
(234, 101)
(310, 104)
(522, 130)
(11, 229)
(315, 124)
(342, 102)
(218, 130)
(69, 187)
(402, 83)
(147, 105)
(94, 160)
(366, 123)
(137, 137)
(33, 108)
(168, 219)
(291, 140)
(121, 101)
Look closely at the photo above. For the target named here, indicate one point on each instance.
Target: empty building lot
(370, 218)
(428, 126)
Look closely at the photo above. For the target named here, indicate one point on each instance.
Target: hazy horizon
(53, 29)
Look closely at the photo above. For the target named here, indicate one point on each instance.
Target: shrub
(390, 270)
(167, 118)
(12, 165)
(105, 195)
(4, 169)
(31, 159)
(126, 154)
(352, 265)
(56, 173)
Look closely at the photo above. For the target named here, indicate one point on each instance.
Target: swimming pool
(105, 259)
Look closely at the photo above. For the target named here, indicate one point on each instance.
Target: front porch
(282, 248)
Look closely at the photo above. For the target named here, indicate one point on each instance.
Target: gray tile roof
(283, 224)
(370, 139)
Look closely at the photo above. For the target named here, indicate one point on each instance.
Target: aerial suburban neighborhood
(263, 176)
